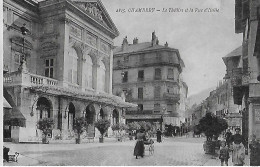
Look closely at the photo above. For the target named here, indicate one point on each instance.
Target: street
(178, 151)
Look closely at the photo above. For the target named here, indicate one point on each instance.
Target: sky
(202, 36)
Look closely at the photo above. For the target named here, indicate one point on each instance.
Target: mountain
(199, 97)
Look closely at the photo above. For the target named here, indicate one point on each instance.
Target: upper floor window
(170, 74)
(73, 68)
(49, 66)
(158, 74)
(125, 76)
(141, 75)
(140, 107)
(126, 58)
(157, 107)
(157, 92)
(142, 58)
(170, 107)
(140, 93)
(158, 56)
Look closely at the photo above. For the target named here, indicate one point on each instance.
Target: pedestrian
(254, 152)
(223, 153)
(139, 146)
(228, 137)
(159, 135)
(238, 149)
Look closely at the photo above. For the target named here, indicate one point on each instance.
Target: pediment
(96, 10)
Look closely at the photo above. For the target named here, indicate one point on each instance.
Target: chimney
(155, 40)
(125, 43)
(135, 41)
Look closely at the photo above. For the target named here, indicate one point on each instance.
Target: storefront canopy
(6, 104)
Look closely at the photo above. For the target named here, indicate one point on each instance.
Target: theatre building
(57, 64)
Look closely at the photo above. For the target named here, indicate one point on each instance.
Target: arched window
(43, 108)
(73, 66)
(115, 117)
(101, 77)
(87, 68)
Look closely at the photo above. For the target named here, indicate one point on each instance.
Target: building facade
(60, 69)
(149, 75)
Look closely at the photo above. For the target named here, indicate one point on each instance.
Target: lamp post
(24, 31)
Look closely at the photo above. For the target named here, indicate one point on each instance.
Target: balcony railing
(28, 79)
(144, 112)
(171, 96)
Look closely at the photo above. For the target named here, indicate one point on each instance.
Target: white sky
(202, 38)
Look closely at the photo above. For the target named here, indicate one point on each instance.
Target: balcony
(236, 79)
(144, 112)
(27, 79)
(171, 96)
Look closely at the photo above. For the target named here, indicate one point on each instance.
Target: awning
(6, 104)
(14, 117)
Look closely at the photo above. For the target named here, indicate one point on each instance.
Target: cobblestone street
(173, 151)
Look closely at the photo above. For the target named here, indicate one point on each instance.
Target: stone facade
(149, 75)
(62, 68)
(247, 90)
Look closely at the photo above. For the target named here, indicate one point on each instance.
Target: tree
(211, 125)
(46, 126)
(79, 126)
(133, 126)
(102, 125)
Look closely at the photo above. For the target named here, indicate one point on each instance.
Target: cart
(149, 146)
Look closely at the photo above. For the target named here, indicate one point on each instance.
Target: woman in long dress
(238, 154)
(159, 136)
(139, 146)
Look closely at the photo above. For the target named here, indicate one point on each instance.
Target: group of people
(142, 139)
(236, 144)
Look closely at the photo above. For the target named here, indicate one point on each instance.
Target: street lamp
(24, 31)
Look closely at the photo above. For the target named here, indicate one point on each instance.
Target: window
(170, 108)
(157, 108)
(126, 58)
(170, 57)
(157, 92)
(142, 58)
(170, 74)
(140, 107)
(49, 64)
(141, 75)
(140, 93)
(125, 77)
(157, 74)
(73, 68)
(158, 56)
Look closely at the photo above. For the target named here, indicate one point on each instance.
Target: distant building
(61, 68)
(149, 75)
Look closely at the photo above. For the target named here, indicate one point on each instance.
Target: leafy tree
(102, 125)
(45, 125)
(79, 126)
(145, 125)
(133, 126)
(211, 125)
(119, 127)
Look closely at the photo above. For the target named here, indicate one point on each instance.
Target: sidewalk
(215, 161)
